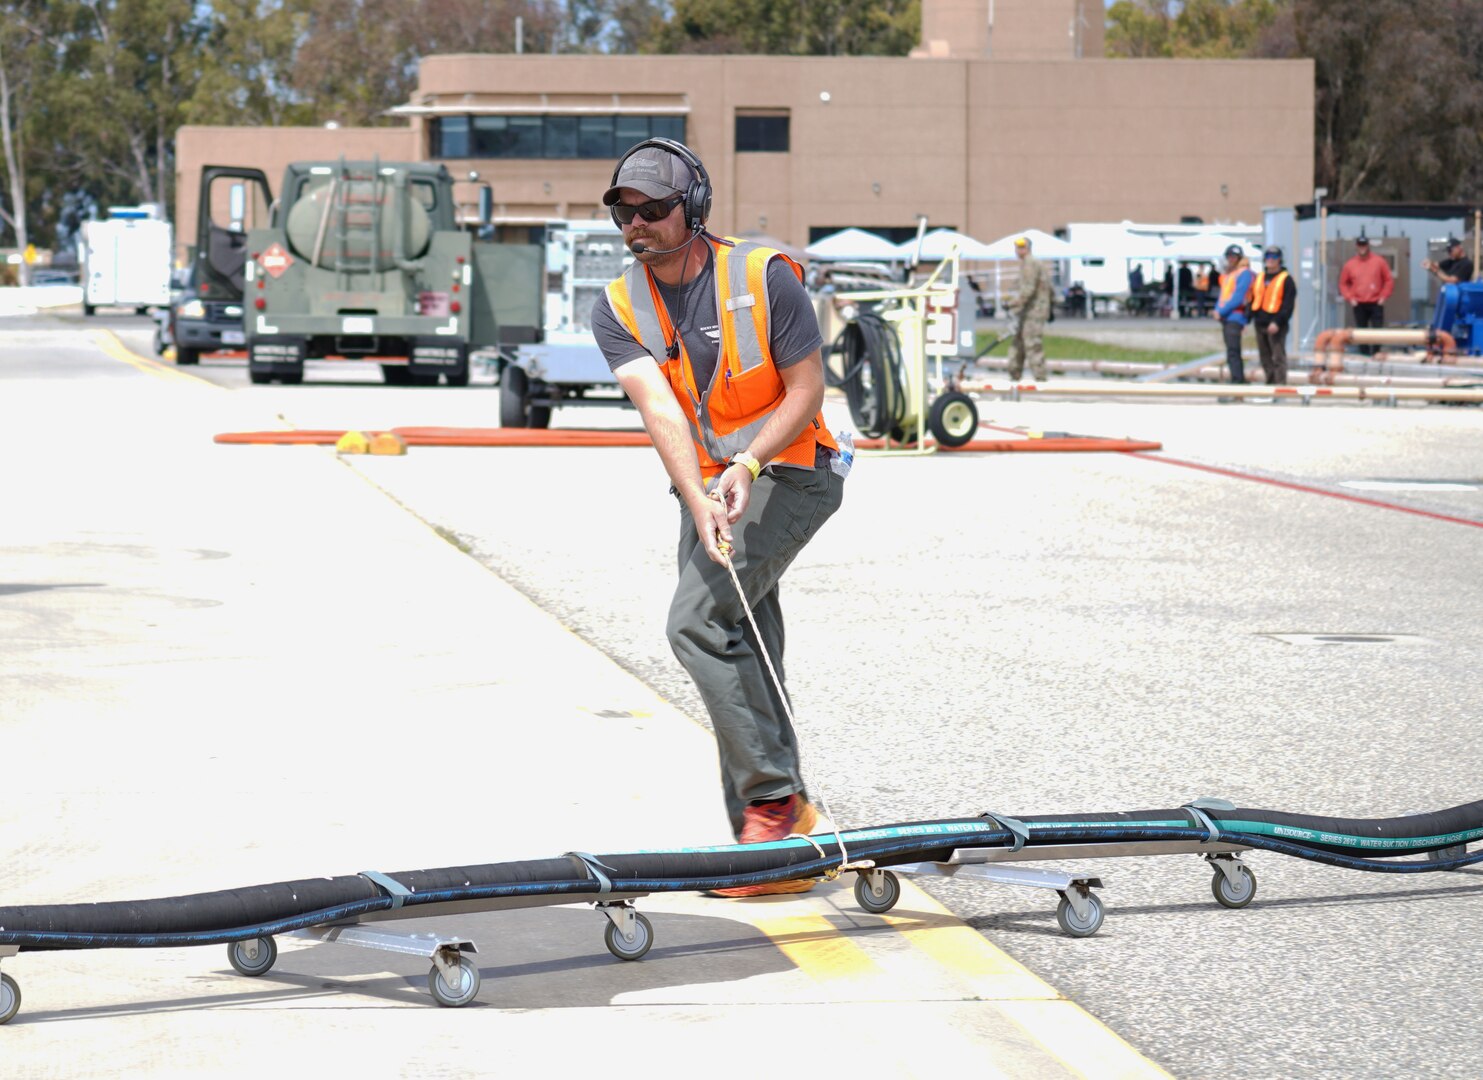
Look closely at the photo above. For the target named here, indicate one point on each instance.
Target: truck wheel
(514, 394)
(396, 374)
(88, 309)
(540, 415)
(187, 356)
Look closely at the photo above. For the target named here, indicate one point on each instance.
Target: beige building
(1006, 117)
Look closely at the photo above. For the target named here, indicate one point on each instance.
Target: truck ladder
(358, 201)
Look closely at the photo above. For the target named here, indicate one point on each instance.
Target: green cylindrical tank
(328, 209)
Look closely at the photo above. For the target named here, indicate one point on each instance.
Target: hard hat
(1020, 241)
(1234, 251)
(1273, 252)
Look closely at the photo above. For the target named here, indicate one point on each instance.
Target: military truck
(362, 261)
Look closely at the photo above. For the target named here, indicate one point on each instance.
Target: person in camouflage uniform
(1031, 308)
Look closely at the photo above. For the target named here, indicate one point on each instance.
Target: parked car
(50, 276)
(195, 326)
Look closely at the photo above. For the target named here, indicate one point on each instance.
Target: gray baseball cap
(652, 171)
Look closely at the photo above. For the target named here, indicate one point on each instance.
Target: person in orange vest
(716, 343)
(1230, 309)
(1273, 296)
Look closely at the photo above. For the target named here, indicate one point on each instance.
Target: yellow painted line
(110, 344)
(1081, 1041)
(1077, 1039)
(817, 948)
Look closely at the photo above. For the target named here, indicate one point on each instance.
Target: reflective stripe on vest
(723, 418)
(1269, 300)
(1228, 286)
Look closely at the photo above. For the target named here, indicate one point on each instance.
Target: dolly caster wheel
(459, 993)
(1077, 924)
(1234, 894)
(10, 998)
(253, 957)
(877, 893)
(621, 947)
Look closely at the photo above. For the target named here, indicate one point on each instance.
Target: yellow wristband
(753, 465)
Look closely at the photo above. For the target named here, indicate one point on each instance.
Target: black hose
(257, 911)
(871, 375)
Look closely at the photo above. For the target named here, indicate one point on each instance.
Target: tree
(249, 49)
(358, 58)
(1203, 29)
(792, 27)
(23, 56)
(125, 70)
(1398, 95)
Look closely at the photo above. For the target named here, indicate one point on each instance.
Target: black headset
(697, 196)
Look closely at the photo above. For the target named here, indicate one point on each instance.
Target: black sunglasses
(653, 210)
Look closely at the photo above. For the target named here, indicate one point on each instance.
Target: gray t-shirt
(793, 329)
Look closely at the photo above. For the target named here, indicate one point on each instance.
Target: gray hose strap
(595, 868)
(394, 888)
(1017, 828)
(1202, 818)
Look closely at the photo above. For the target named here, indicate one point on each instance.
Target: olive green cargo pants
(712, 639)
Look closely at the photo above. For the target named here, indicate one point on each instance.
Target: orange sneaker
(774, 821)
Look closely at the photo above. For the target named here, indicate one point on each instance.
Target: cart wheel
(623, 949)
(253, 957)
(454, 997)
(953, 419)
(185, 357)
(1231, 894)
(259, 378)
(514, 391)
(1077, 925)
(10, 998)
(396, 375)
(459, 376)
(877, 903)
(540, 415)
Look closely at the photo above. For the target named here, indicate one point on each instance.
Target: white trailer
(125, 260)
(566, 366)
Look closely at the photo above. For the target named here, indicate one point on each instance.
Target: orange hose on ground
(444, 436)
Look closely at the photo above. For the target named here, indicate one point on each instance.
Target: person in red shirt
(1366, 282)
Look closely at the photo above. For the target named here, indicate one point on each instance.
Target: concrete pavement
(226, 665)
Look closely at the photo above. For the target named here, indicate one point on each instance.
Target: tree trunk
(15, 172)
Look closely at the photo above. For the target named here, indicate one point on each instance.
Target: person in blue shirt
(1230, 309)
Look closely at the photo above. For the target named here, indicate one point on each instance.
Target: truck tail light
(260, 303)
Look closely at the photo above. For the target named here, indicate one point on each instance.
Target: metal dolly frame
(453, 979)
(1080, 912)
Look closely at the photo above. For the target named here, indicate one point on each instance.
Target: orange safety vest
(746, 388)
(1228, 286)
(1269, 301)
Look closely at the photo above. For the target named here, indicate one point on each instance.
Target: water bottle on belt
(842, 461)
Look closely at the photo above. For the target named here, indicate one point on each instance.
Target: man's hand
(1272, 329)
(734, 489)
(711, 526)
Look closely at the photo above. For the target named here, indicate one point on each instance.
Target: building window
(762, 133)
(451, 137)
(556, 136)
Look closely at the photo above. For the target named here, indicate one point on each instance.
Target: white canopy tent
(854, 245)
(937, 243)
(1042, 245)
(1206, 247)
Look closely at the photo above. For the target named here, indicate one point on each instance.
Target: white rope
(844, 855)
